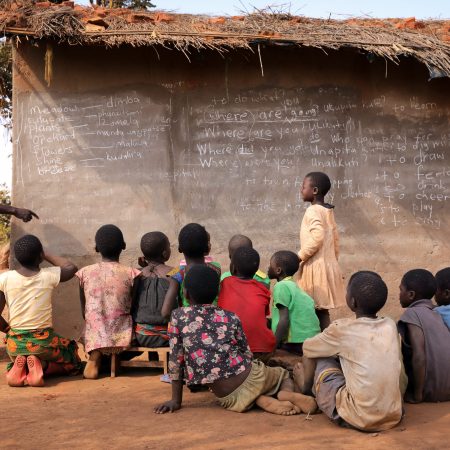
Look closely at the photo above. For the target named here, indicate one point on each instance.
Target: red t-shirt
(249, 300)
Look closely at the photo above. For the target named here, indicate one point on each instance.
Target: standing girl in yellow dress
(320, 275)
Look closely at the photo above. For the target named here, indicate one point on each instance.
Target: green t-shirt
(259, 276)
(303, 321)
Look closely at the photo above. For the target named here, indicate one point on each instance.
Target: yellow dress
(320, 275)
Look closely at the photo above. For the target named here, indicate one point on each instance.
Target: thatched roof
(427, 41)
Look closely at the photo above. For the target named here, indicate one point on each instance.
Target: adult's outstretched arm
(21, 213)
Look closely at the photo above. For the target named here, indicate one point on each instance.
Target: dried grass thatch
(426, 41)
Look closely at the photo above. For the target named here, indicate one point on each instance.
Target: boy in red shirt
(249, 300)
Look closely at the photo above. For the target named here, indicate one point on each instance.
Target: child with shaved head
(238, 241)
(355, 364)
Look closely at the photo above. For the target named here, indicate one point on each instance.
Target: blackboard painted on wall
(231, 153)
(234, 159)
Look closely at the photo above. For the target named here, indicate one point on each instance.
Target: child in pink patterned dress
(106, 295)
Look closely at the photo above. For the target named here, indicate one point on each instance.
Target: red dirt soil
(117, 413)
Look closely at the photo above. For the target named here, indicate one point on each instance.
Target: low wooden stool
(163, 357)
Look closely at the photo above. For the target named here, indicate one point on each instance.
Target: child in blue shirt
(442, 295)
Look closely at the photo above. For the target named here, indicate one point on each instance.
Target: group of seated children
(219, 334)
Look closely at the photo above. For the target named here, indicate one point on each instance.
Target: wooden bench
(163, 359)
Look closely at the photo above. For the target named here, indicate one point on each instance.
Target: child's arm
(315, 239)
(281, 301)
(241, 339)
(177, 397)
(417, 343)
(83, 302)
(4, 326)
(336, 241)
(176, 368)
(142, 262)
(170, 300)
(283, 324)
(68, 269)
(135, 293)
(325, 344)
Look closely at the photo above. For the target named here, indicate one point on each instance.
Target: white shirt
(369, 353)
(29, 299)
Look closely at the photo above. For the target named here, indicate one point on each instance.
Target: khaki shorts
(261, 380)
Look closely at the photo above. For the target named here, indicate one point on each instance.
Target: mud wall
(147, 140)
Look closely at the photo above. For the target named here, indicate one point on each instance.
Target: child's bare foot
(35, 375)
(93, 365)
(298, 375)
(275, 406)
(18, 373)
(306, 403)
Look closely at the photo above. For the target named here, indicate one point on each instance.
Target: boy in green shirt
(293, 314)
(237, 241)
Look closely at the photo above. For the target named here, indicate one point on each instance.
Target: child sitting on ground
(194, 243)
(105, 295)
(150, 328)
(293, 315)
(208, 346)
(442, 295)
(249, 299)
(30, 340)
(320, 275)
(357, 367)
(425, 340)
(237, 241)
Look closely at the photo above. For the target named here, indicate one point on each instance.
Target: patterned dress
(207, 343)
(107, 288)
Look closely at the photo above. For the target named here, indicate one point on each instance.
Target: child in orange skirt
(36, 351)
(320, 275)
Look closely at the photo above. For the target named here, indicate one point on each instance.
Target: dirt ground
(117, 413)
